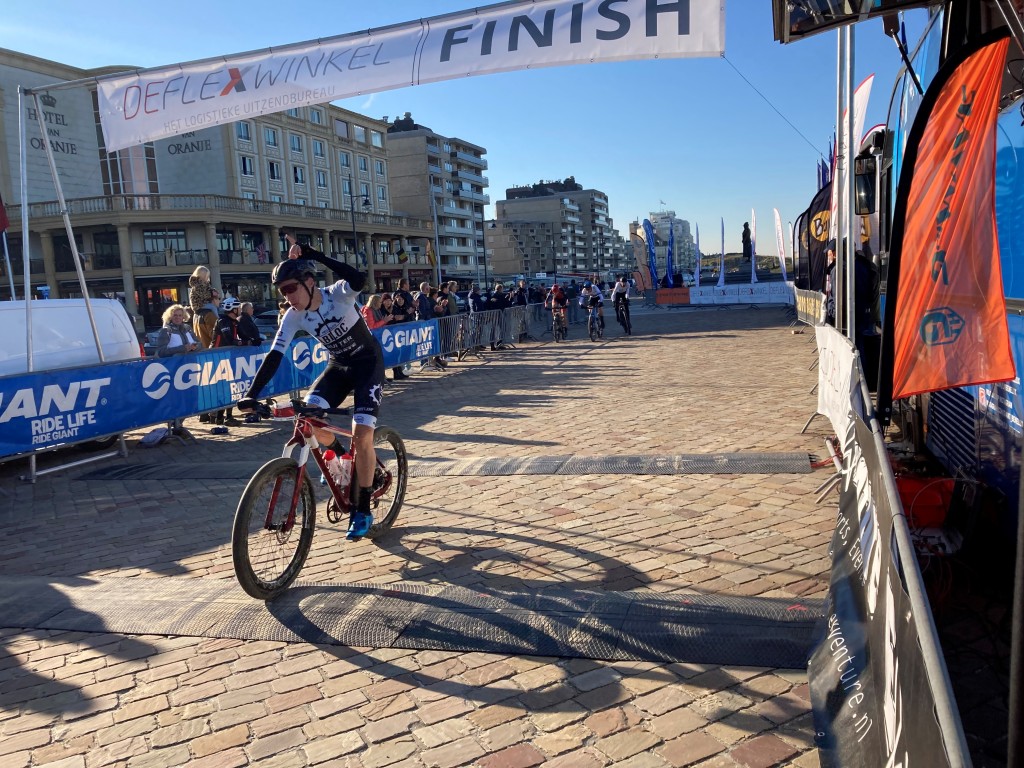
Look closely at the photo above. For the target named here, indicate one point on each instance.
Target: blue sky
(689, 132)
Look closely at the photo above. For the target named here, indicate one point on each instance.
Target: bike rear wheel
(592, 327)
(269, 544)
(390, 479)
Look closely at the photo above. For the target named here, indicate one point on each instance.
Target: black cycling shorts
(365, 380)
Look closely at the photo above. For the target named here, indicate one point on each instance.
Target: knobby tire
(264, 560)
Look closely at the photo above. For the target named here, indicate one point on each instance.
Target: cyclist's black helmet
(293, 269)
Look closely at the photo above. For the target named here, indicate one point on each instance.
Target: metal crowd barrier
(808, 306)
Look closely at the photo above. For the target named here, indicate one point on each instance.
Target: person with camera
(356, 363)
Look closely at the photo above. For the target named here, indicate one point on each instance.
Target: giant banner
(42, 410)
(157, 103)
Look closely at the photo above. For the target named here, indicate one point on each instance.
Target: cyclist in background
(591, 296)
(356, 363)
(559, 304)
(620, 300)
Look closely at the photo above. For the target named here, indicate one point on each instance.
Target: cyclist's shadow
(42, 613)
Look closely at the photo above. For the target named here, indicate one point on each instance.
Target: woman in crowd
(175, 337)
(200, 291)
(377, 313)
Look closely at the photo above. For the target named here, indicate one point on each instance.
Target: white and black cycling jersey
(336, 323)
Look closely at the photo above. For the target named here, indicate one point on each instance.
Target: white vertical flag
(721, 265)
(696, 268)
(753, 247)
(780, 243)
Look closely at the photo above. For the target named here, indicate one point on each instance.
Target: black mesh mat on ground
(647, 626)
(682, 464)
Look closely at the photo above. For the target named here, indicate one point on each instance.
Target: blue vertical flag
(721, 263)
(652, 262)
(696, 267)
(669, 266)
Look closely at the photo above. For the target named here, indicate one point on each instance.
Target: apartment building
(436, 176)
(683, 247)
(556, 227)
(224, 197)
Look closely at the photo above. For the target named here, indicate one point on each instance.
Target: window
(162, 239)
(364, 190)
(382, 194)
(346, 187)
(299, 174)
(321, 179)
(300, 201)
(270, 137)
(341, 128)
(247, 169)
(274, 171)
(376, 139)
(447, 167)
(364, 164)
(276, 199)
(318, 148)
(293, 112)
(344, 159)
(243, 131)
(249, 195)
(294, 143)
(360, 132)
(380, 167)
(316, 117)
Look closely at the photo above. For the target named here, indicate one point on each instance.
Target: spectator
(199, 290)
(473, 299)
(247, 330)
(572, 293)
(403, 289)
(424, 303)
(402, 309)
(204, 322)
(377, 313)
(499, 300)
(748, 246)
(175, 337)
(227, 336)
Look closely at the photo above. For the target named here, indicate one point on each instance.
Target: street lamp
(366, 206)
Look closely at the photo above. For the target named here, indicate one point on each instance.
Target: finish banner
(949, 324)
(871, 698)
(150, 104)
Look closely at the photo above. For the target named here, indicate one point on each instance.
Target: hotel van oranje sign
(54, 122)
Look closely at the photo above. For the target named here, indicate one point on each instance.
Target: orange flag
(950, 317)
(430, 254)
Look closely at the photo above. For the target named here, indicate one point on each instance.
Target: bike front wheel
(593, 329)
(389, 480)
(273, 528)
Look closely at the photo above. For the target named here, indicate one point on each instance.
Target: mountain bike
(558, 326)
(594, 326)
(622, 315)
(274, 522)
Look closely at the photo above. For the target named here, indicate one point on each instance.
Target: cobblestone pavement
(686, 382)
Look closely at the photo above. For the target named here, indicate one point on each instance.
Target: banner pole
(67, 227)
(851, 235)
(23, 141)
(7, 262)
(1015, 744)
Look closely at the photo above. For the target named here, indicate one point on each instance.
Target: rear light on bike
(285, 412)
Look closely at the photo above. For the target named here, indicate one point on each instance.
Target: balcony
(465, 157)
(464, 175)
(468, 194)
(170, 258)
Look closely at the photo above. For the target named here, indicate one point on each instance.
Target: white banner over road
(524, 34)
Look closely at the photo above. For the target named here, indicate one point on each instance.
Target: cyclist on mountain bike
(591, 296)
(559, 303)
(620, 300)
(356, 363)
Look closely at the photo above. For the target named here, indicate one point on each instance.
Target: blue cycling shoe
(359, 524)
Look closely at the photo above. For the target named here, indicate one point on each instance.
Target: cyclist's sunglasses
(288, 288)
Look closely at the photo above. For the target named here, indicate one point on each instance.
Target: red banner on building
(950, 319)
